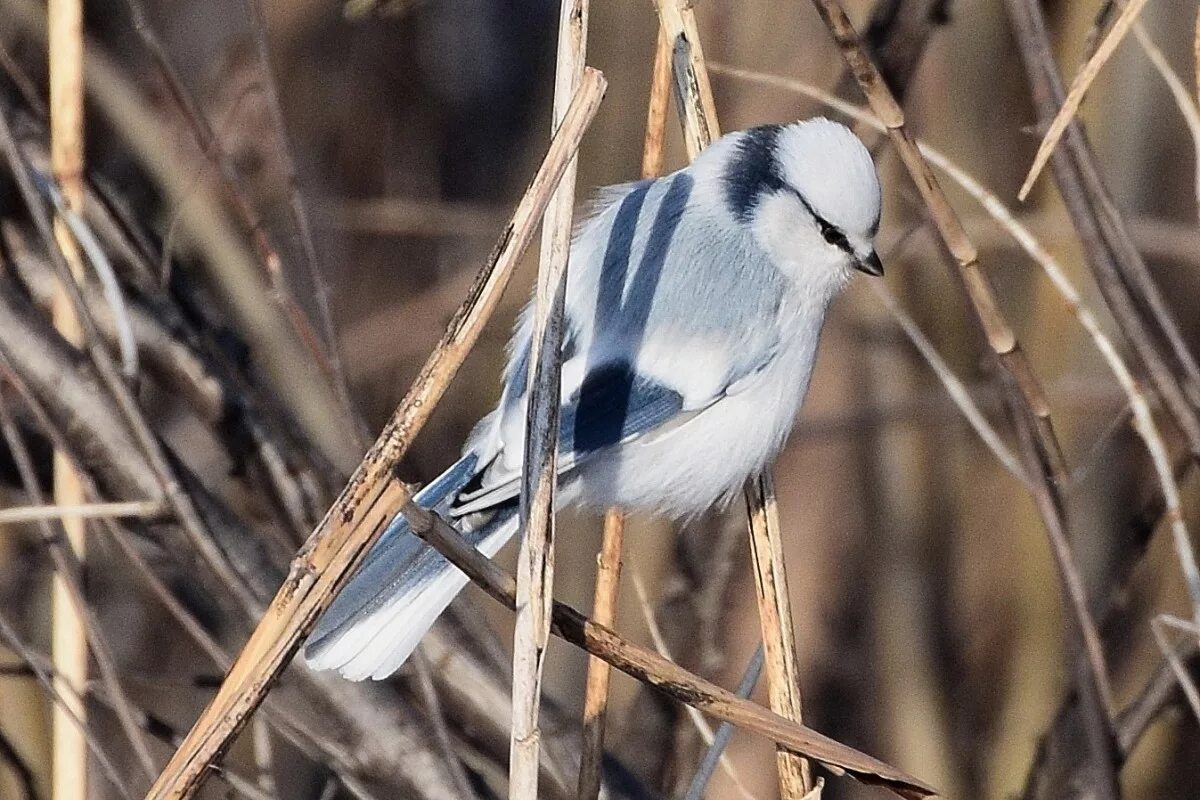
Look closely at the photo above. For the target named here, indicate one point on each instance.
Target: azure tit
(694, 306)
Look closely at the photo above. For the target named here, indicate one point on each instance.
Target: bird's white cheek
(797, 247)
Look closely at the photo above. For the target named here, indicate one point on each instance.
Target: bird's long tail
(374, 624)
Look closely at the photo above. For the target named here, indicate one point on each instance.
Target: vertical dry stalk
(608, 560)
(535, 561)
(68, 637)
(1029, 398)
(775, 618)
(698, 114)
(604, 612)
(373, 496)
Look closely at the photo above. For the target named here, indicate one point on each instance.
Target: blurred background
(929, 612)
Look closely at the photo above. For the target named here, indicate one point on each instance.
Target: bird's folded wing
(613, 405)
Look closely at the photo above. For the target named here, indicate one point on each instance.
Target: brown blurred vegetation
(929, 612)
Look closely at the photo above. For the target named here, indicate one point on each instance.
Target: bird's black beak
(870, 265)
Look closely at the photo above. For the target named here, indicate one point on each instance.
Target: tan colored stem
(775, 618)
(68, 636)
(604, 612)
(535, 560)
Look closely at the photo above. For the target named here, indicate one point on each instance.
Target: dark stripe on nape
(752, 171)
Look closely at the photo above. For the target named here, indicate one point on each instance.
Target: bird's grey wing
(614, 404)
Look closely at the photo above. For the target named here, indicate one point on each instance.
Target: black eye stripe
(831, 232)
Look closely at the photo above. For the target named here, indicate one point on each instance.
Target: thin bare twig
(1079, 87)
(210, 146)
(373, 496)
(716, 748)
(1142, 418)
(660, 673)
(181, 503)
(1028, 394)
(1120, 270)
(143, 509)
(68, 569)
(8, 634)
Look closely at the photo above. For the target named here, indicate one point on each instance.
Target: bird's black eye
(834, 236)
(832, 233)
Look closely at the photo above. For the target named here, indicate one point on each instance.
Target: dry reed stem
(1083, 81)
(535, 559)
(955, 390)
(653, 151)
(1142, 416)
(608, 560)
(700, 127)
(775, 619)
(660, 673)
(694, 97)
(595, 701)
(1028, 394)
(142, 509)
(69, 649)
(373, 496)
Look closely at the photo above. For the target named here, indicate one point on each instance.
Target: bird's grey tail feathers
(374, 624)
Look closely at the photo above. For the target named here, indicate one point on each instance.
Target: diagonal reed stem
(373, 496)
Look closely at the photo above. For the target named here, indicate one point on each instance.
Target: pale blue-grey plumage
(693, 310)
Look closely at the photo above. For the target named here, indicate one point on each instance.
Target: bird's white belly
(704, 461)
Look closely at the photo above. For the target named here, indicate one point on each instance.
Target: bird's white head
(809, 193)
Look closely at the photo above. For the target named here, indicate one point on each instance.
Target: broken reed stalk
(699, 119)
(608, 560)
(373, 495)
(1029, 398)
(539, 474)
(69, 650)
(693, 96)
(664, 675)
(775, 618)
(1083, 81)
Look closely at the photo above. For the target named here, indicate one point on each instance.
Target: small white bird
(693, 309)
